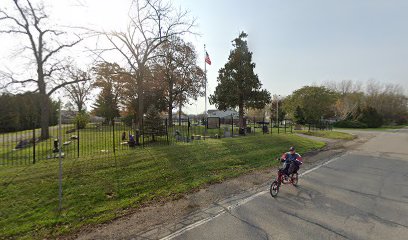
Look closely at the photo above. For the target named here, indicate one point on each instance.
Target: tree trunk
(180, 105)
(241, 116)
(45, 116)
(170, 104)
(141, 106)
(140, 96)
(45, 106)
(170, 113)
(79, 106)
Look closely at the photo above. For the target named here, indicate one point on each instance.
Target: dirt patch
(157, 214)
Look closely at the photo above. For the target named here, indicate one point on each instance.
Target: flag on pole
(207, 58)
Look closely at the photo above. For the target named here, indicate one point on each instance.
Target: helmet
(292, 148)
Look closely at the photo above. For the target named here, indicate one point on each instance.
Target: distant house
(67, 116)
(223, 114)
(176, 116)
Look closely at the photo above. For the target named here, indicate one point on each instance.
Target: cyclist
(292, 161)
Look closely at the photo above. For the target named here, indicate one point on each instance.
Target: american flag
(207, 58)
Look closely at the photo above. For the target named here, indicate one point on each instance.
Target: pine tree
(153, 124)
(238, 85)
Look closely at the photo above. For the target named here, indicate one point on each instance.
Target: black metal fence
(99, 139)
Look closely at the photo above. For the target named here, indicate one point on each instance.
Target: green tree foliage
(389, 100)
(238, 85)
(299, 116)
(349, 124)
(370, 117)
(81, 120)
(277, 104)
(153, 124)
(153, 94)
(22, 111)
(315, 102)
(111, 79)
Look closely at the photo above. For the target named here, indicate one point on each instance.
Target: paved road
(360, 195)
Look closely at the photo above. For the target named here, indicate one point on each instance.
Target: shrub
(349, 124)
(81, 120)
(401, 121)
(153, 124)
(370, 117)
(128, 120)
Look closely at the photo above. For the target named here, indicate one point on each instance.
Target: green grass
(98, 190)
(328, 134)
(382, 128)
(97, 140)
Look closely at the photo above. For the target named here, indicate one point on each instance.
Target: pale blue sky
(295, 43)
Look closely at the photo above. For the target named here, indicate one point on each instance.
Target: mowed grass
(101, 189)
(328, 134)
(382, 128)
(101, 140)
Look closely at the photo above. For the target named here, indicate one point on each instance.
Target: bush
(153, 124)
(349, 124)
(81, 120)
(128, 120)
(370, 117)
(401, 121)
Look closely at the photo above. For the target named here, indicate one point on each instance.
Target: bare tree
(388, 99)
(152, 22)
(78, 92)
(44, 45)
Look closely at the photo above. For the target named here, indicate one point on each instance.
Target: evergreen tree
(106, 104)
(111, 79)
(238, 85)
(153, 124)
(370, 117)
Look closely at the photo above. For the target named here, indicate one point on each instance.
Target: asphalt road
(360, 195)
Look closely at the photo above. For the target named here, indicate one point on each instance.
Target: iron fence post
(78, 139)
(232, 125)
(142, 131)
(167, 132)
(34, 144)
(253, 123)
(263, 125)
(188, 128)
(113, 136)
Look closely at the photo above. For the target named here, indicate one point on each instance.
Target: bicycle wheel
(274, 190)
(295, 179)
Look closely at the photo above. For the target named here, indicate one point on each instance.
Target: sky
(294, 43)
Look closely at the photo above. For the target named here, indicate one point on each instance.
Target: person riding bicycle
(292, 161)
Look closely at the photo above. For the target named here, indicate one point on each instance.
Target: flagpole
(205, 91)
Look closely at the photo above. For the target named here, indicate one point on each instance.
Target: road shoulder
(160, 219)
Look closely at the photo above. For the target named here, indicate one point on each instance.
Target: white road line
(239, 203)
(319, 166)
(191, 226)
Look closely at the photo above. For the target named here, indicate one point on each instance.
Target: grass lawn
(328, 134)
(383, 128)
(99, 140)
(97, 190)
